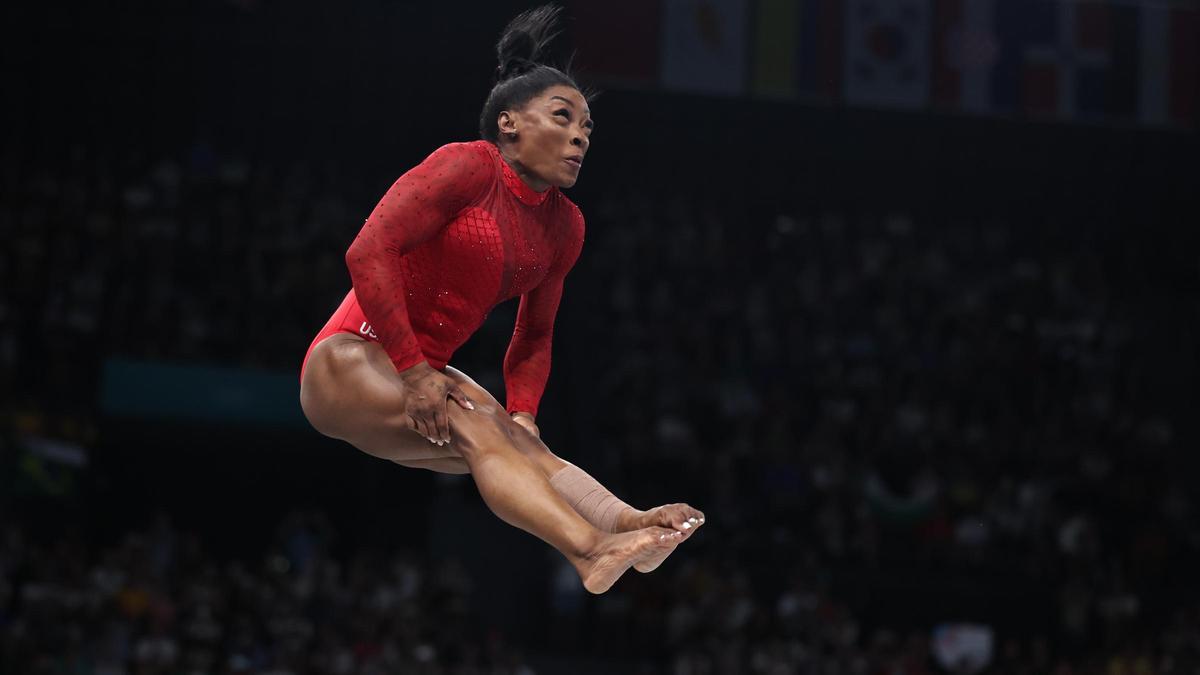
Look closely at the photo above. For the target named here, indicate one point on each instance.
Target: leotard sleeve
(417, 206)
(527, 362)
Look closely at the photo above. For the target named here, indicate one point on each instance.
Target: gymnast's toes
(680, 517)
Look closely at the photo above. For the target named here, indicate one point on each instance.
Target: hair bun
(523, 40)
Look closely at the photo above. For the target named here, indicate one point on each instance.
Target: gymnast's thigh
(351, 391)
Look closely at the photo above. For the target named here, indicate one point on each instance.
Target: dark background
(858, 339)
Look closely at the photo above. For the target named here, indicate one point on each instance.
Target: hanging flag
(819, 51)
(1067, 59)
(774, 42)
(965, 52)
(887, 53)
(704, 46)
(1091, 60)
(1106, 88)
(617, 42)
(1020, 84)
(1185, 65)
(1154, 66)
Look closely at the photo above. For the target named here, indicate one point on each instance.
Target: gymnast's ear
(506, 123)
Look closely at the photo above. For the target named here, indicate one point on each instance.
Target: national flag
(887, 52)
(1068, 59)
(1168, 77)
(965, 50)
(776, 23)
(820, 50)
(1019, 85)
(704, 46)
(1154, 39)
(617, 42)
(1106, 46)
(1185, 65)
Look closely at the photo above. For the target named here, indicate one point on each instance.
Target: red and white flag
(887, 53)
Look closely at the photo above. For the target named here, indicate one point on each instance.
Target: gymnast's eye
(564, 113)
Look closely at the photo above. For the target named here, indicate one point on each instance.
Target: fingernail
(687, 526)
(661, 537)
(470, 406)
(702, 520)
(691, 520)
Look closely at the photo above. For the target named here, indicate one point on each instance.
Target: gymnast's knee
(483, 430)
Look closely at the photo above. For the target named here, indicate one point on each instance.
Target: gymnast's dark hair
(520, 75)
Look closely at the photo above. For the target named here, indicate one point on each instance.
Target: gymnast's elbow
(362, 250)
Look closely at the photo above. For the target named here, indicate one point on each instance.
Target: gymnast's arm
(417, 206)
(527, 362)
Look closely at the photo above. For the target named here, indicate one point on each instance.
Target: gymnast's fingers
(441, 424)
(423, 426)
(459, 397)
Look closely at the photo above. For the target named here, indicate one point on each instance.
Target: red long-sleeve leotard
(451, 239)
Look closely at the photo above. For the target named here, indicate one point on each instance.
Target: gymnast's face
(552, 132)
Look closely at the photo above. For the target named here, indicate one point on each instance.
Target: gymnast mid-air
(475, 224)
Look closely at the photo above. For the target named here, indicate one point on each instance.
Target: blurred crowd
(896, 423)
(961, 417)
(157, 602)
(198, 258)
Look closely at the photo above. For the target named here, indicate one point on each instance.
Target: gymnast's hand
(425, 398)
(526, 420)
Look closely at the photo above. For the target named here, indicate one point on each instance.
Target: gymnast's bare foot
(616, 552)
(683, 518)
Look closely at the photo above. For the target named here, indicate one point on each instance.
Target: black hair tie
(514, 68)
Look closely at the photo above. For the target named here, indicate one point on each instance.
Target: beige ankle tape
(597, 505)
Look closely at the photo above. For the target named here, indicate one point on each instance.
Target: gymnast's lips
(574, 160)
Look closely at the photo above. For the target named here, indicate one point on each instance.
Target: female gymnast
(475, 224)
